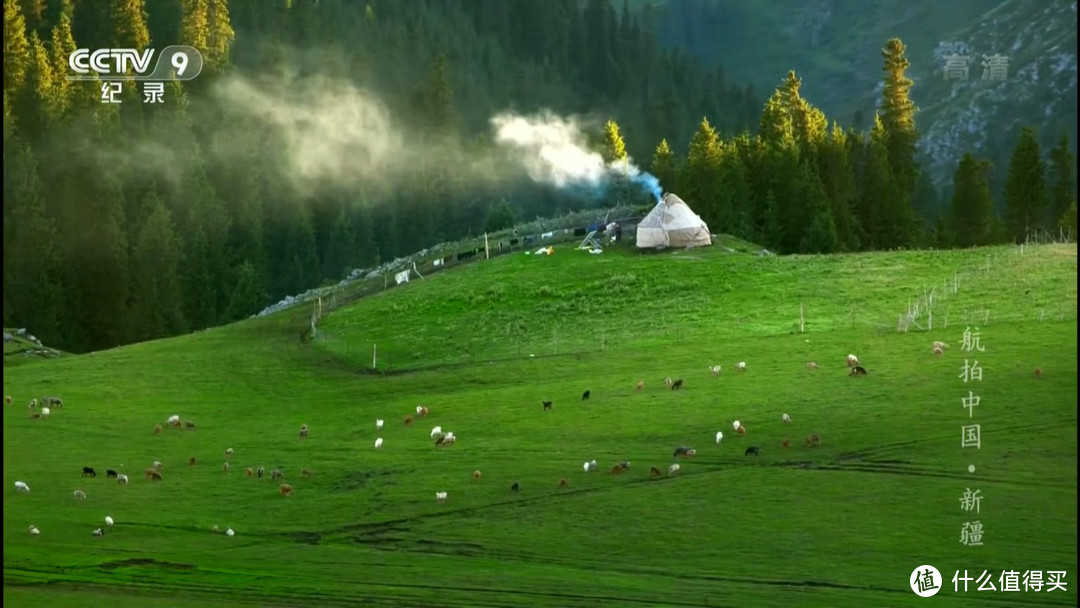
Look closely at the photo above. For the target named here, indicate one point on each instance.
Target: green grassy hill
(842, 524)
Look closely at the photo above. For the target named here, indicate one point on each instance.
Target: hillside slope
(835, 45)
(840, 524)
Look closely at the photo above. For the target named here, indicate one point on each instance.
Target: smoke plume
(554, 151)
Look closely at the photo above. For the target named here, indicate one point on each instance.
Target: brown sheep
(306, 473)
(7, 400)
(786, 443)
(191, 461)
(35, 416)
(615, 470)
(285, 489)
(641, 385)
(564, 484)
(153, 475)
(175, 424)
(249, 472)
(742, 429)
(422, 411)
(811, 365)
(1038, 372)
(408, 419)
(157, 429)
(654, 472)
(476, 475)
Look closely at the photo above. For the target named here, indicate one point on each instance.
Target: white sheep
(591, 466)
(740, 366)
(20, 486)
(379, 424)
(80, 495)
(441, 497)
(786, 419)
(668, 382)
(715, 370)
(122, 479)
(719, 437)
(157, 465)
(673, 470)
(108, 521)
(735, 425)
(99, 532)
(228, 453)
(852, 360)
(45, 412)
(378, 443)
(435, 432)
(229, 532)
(941, 345)
(174, 419)
(419, 409)
(33, 403)
(34, 531)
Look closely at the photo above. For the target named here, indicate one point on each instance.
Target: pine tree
(663, 164)
(898, 117)
(442, 113)
(1062, 179)
(971, 214)
(1025, 187)
(248, 295)
(701, 173)
(772, 231)
(820, 235)
(220, 34)
(129, 24)
(195, 24)
(63, 45)
(614, 149)
(838, 183)
(16, 52)
(1068, 221)
(157, 296)
(339, 257)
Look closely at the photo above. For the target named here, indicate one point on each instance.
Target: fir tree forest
(128, 222)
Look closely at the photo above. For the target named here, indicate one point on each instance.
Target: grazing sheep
(34, 531)
(735, 425)
(680, 451)
(786, 443)
(719, 437)
(379, 424)
(514, 488)
(56, 402)
(408, 420)
(45, 412)
(88, 472)
(691, 453)
(811, 365)
(564, 484)
(937, 351)
(447, 440)
(249, 472)
(435, 432)
(421, 411)
(585, 396)
(615, 470)
(214, 529)
(378, 443)
(189, 424)
(229, 532)
(654, 472)
(173, 420)
(786, 419)
(99, 532)
(740, 366)
(590, 466)
(751, 450)
(305, 473)
(80, 495)
(303, 431)
(108, 521)
(7, 400)
(715, 370)
(668, 382)
(641, 385)
(35, 416)
(228, 453)
(941, 345)
(1038, 372)
(858, 370)
(122, 479)
(176, 424)
(153, 475)
(812, 440)
(625, 465)
(225, 467)
(191, 461)
(157, 464)
(742, 430)
(677, 384)
(277, 474)
(285, 489)
(673, 470)
(546, 404)
(476, 475)
(852, 360)
(109, 473)
(260, 471)
(33, 403)
(440, 497)
(157, 429)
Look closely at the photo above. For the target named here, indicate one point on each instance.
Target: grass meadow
(842, 524)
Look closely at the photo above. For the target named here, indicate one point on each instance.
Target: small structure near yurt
(672, 223)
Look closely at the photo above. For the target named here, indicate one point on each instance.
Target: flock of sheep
(440, 438)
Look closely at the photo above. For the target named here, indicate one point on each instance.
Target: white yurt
(672, 223)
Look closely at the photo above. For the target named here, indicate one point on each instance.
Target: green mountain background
(835, 46)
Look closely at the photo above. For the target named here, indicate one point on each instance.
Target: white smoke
(554, 150)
